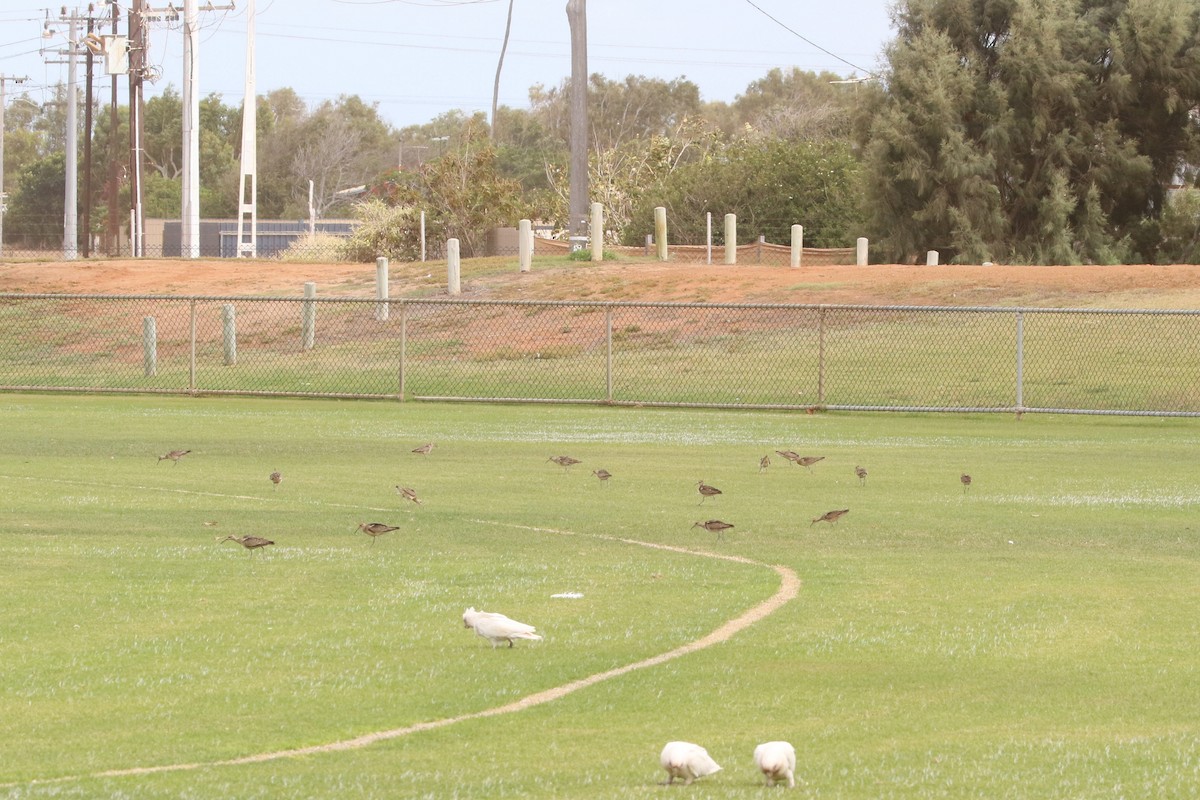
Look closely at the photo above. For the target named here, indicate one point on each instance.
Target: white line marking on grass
(789, 589)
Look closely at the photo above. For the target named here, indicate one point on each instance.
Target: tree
(788, 105)
(769, 184)
(35, 209)
(1032, 130)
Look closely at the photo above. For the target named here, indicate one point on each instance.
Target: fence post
(731, 238)
(192, 338)
(708, 237)
(308, 316)
(758, 247)
(1020, 362)
(149, 346)
(453, 267)
(597, 231)
(860, 253)
(797, 245)
(381, 288)
(403, 344)
(422, 235)
(608, 355)
(821, 355)
(660, 232)
(931, 258)
(525, 245)
(649, 243)
(229, 333)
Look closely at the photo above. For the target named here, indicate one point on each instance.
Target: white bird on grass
(686, 760)
(777, 760)
(497, 628)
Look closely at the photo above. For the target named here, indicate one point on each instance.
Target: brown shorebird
(251, 543)
(564, 461)
(408, 494)
(376, 529)
(424, 449)
(174, 456)
(790, 455)
(602, 474)
(706, 491)
(966, 481)
(715, 525)
(276, 477)
(862, 476)
(830, 516)
(808, 461)
(763, 463)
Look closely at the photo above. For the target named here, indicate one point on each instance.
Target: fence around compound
(691, 354)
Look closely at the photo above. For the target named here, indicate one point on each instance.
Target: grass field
(1035, 637)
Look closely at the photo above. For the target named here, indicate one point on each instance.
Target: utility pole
(247, 241)
(112, 233)
(137, 76)
(577, 206)
(4, 79)
(87, 143)
(70, 250)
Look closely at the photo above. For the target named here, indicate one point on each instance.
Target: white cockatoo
(777, 760)
(497, 628)
(686, 760)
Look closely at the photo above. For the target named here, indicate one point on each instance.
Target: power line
(805, 39)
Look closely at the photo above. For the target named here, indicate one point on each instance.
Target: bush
(385, 230)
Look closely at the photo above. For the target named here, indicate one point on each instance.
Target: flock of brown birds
(377, 529)
(372, 529)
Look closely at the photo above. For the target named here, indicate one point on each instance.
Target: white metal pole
(190, 221)
(247, 241)
(70, 194)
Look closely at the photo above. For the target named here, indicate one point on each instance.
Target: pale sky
(418, 58)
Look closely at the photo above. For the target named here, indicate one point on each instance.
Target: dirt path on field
(789, 589)
(1124, 286)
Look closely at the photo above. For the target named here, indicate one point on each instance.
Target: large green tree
(1031, 130)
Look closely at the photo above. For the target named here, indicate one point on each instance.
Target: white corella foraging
(497, 628)
(777, 760)
(688, 761)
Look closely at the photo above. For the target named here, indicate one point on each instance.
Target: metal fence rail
(720, 355)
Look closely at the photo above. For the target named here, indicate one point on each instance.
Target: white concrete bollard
(931, 258)
(860, 256)
(797, 244)
(381, 288)
(597, 231)
(229, 333)
(308, 317)
(660, 233)
(453, 268)
(731, 238)
(525, 245)
(149, 346)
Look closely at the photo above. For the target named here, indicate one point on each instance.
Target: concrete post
(758, 248)
(308, 316)
(453, 268)
(708, 237)
(229, 333)
(797, 245)
(931, 258)
(861, 252)
(597, 231)
(649, 243)
(381, 288)
(660, 233)
(149, 346)
(731, 238)
(525, 245)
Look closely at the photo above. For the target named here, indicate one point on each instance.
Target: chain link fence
(839, 357)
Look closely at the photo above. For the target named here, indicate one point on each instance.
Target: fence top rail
(456, 301)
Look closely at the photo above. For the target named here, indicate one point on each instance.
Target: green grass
(1035, 637)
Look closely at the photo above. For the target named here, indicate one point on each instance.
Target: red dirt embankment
(1126, 286)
